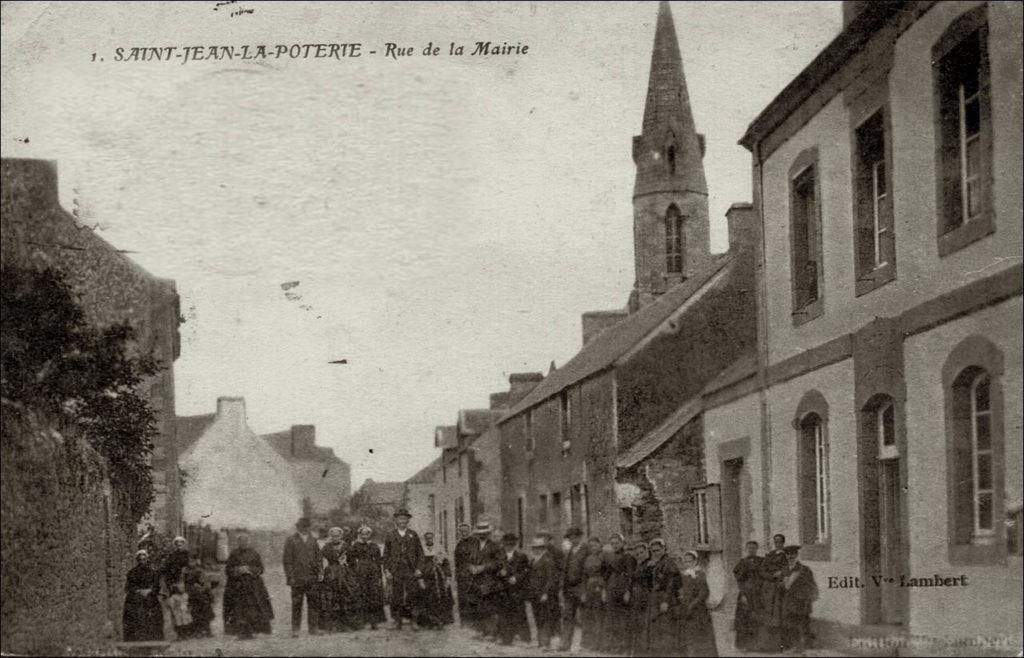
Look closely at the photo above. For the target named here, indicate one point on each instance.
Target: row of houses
(848, 373)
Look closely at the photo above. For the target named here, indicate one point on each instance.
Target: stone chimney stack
(303, 440)
(231, 410)
(742, 232)
(499, 400)
(520, 385)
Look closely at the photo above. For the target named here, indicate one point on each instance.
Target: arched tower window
(671, 153)
(674, 241)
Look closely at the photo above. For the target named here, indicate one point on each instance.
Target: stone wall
(64, 554)
(35, 232)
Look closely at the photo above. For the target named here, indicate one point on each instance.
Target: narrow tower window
(673, 241)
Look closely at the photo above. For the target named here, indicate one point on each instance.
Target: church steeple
(670, 214)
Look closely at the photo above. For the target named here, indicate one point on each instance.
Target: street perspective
(513, 328)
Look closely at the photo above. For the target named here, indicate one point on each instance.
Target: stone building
(36, 232)
(235, 479)
(383, 498)
(324, 480)
(612, 441)
(879, 422)
(421, 499)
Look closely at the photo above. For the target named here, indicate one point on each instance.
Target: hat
(482, 528)
(693, 554)
(543, 533)
(792, 549)
(509, 538)
(302, 524)
(574, 532)
(402, 512)
(538, 542)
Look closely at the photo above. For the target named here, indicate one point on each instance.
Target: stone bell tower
(670, 198)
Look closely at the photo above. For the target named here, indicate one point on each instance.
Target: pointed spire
(668, 118)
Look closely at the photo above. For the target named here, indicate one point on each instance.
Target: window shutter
(714, 512)
(865, 249)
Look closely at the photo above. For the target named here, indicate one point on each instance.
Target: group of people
(627, 599)
(343, 583)
(776, 594)
(177, 582)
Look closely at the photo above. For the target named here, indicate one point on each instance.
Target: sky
(448, 219)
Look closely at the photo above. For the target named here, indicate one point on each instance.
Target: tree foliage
(54, 361)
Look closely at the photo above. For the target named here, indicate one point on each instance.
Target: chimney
(303, 440)
(232, 410)
(499, 400)
(740, 218)
(33, 180)
(594, 322)
(520, 385)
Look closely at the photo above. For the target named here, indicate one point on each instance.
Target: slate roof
(426, 474)
(617, 340)
(740, 369)
(383, 493)
(656, 438)
(188, 429)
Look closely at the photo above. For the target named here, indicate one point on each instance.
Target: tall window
(673, 241)
(460, 512)
(805, 207)
(528, 416)
(979, 522)
(565, 410)
(964, 130)
(701, 500)
(542, 509)
(875, 239)
(814, 480)
(885, 428)
(556, 505)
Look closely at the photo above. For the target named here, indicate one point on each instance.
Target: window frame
(950, 167)
(813, 477)
(675, 241)
(565, 420)
(531, 442)
(872, 104)
(805, 310)
(973, 356)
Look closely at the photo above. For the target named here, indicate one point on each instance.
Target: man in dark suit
(543, 591)
(512, 575)
(468, 615)
(302, 571)
(572, 585)
(484, 562)
(799, 594)
(403, 555)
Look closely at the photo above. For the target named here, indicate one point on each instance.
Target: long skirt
(548, 616)
(143, 618)
(747, 620)
(367, 594)
(592, 618)
(618, 629)
(665, 636)
(247, 607)
(699, 634)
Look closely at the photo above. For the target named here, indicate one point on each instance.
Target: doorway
(733, 507)
(891, 543)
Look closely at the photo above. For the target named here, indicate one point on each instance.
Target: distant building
(324, 481)
(421, 498)
(384, 498)
(35, 232)
(235, 479)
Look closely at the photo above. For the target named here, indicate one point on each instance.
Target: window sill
(816, 552)
(956, 239)
(875, 279)
(809, 312)
(963, 554)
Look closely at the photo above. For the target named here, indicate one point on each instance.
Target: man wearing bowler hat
(302, 571)
(572, 584)
(403, 554)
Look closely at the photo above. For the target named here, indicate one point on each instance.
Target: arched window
(671, 153)
(975, 474)
(813, 477)
(674, 241)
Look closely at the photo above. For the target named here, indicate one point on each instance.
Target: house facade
(879, 424)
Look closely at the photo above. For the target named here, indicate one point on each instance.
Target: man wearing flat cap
(303, 569)
(513, 572)
(542, 590)
(403, 555)
(572, 584)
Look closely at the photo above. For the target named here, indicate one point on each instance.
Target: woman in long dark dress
(749, 599)
(247, 608)
(334, 594)
(639, 599)
(364, 558)
(693, 602)
(617, 629)
(143, 618)
(593, 595)
(666, 638)
(200, 599)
